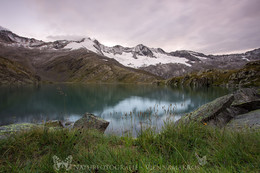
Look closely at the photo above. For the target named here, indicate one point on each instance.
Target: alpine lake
(129, 108)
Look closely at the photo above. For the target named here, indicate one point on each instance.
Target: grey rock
(210, 110)
(8, 130)
(90, 121)
(225, 116)
(226, 109)
(247, 99)
(68, 124)
(53, 123)
(250, 120)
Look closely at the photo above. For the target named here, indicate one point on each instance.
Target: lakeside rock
(241, 107)
(247, 120)
(53, 123)
(14, 128)
(90, 121)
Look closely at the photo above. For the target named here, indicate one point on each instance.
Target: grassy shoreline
(173, 150)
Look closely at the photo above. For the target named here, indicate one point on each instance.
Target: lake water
(128, 108)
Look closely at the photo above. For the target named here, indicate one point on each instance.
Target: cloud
(207, 26)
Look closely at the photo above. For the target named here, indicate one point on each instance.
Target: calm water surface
(128, 108)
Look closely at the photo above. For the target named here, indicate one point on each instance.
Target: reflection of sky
(144, 104)
(160, 112)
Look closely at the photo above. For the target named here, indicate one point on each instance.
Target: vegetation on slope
(13, 73)
(89, 67)
(175, 149)
(249, 75)
(78, 66)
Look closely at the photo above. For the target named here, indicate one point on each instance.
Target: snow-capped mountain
(9, 38)
(135, 57)
(153, 60)
(162, 63)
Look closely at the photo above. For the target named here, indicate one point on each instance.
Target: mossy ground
(173, 150)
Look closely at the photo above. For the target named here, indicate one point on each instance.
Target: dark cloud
(207, 26)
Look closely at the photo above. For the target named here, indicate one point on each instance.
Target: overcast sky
(207, 26)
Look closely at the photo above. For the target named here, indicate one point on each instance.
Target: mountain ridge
(153, 60)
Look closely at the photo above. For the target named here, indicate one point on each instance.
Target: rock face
(53, 123)
(250, 119)
(247, 99)
(90, 121)
(229, 108)
(247, 76)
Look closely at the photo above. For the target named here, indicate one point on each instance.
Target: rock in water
(90, 121)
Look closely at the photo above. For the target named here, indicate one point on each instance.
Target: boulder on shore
(53, 123)
(10, 129)
(90, 121)
(248, 120)
(223, 110)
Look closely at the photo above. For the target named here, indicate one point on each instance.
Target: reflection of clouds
(119, 123)
(144, 104)
(72, 117)
(127, 125)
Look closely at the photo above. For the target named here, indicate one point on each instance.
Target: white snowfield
(87, 43)
(127, 58)
(200, 57)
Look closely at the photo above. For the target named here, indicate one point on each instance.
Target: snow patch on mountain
(86, 43)
(127, 59)
(200, 57)
(136, 57)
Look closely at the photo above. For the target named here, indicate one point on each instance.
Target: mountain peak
(3, 29)
(142, 50)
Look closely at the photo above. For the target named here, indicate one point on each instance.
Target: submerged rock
(228, 108)
(90, 121)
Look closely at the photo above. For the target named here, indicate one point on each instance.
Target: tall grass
(174, 149)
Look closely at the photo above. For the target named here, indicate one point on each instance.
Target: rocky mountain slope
(249, 75)
(13, 73)
(153, 60)
(48, 62)
(73, 66)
